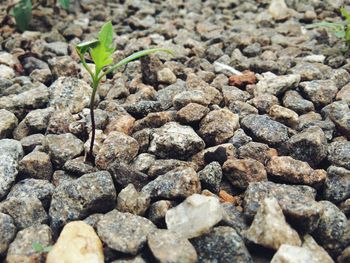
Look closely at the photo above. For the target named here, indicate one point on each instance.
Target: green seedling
(22, 11)
(101, 51)
(340, 30)
(38, 247)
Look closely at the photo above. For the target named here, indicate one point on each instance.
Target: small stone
(257, 151)
(154, 120)
(339, 153)
(6, 72)
(218, 126)
(60, 122)
(21, 249)
(269, 227)
(234, 218)
(192, 96)
(78, 167)
(160, 167)
(284, 115)
(167, 247)
(117, 147)
(42, 189)
(63, 147)
(143, 108)
(265, 129)
(210, 177)
(124, 232)
(222, 244)
(240, 138)
(166, 76)
(37, 120)
(8, 122)
(294, 101)
(129, 200)
(276, 85)
(344, 94)
(339, 113)
(80, 199)
(143, 162)
(318, 253)
(291, 254)
(320, 92)
(158, 209)
(77, 243)
(233, 94)
(7, 232)
(36, 165)
(191, 113)
(337, 184)
(240, 172)
(263, 102)
(219, 153)
(279, 10)
(173, 140)
(240, 81)
(333, 230)
(194, 216)
(165, 96)
(242, 108)
(289, 170)
(25, 211)
(41, 75)
(178, 183)
(58, 48)
(70, 93)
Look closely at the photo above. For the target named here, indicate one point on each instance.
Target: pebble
(8, 122)
(6, 72)
(284, 115)
(36, 165)
(294, 101)
(77, 242)
(192, 113)
(257, 151)
(210, 177)
(129, 200)
(320, 92)
(290, 254)
(339, 153)
(337, 184)
(166, 76)
(7, 232)
(276, 85)
(194, 216)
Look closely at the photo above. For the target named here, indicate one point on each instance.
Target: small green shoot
(40, 248)
(101, 51)
(64, 4)
(23, 14)
(340, 30)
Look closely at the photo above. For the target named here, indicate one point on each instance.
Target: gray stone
(8, 122)
(165, 96)
(25, 211)
(266, 130)
(158, 209)
(173, 140)
(337, 184)
(129, 200)
(222, 244)
(339, 153)
(210, 177)
(166, 76)
(320, 92)
(234, 218)
(191, 96)
(21, 249)
(36, 165)
(143, 162)
(192, 113)
(31, 141)
(257, 151)
(319, 254)
(58, 48)
(167, 247)
(276, 85)
(38, 120)
(339, 113)
(7, 232)
(344, 94)
(178, 183)
(162, 166)
(124, 232)
(240, 138)
(79, 199)
(63, 147)
(290, 254)
(78, 166)
(294, 101)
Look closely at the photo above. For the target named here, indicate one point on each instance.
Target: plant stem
(90, 155)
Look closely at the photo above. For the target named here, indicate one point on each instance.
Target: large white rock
(77, 243)
(194, 216)
(269, 227)
(6, 72)
(293, 254)
(279, 10)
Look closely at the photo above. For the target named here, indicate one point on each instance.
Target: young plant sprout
(100, 51)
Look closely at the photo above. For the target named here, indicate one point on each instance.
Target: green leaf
(106, 35)
(64, 4)
(85, 46)
(345, 14)
(23, 14)
(37, 247)
(47, 249)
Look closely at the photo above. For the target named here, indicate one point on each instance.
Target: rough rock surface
(7, 232)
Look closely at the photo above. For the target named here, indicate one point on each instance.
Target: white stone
(276, 85)
(269, 227)
(194, 216)
(318, 252)
(77, 243)
(8, 59)
(293, 254)
(279, 10)
(6, 72)
(315, 58)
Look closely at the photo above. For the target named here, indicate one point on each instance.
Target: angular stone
(339, 113)
(155, 120)
(31, 141)
(320, 92)
(269, 227)
(25, 211)
(117, 147)
(290, 254)
(294, 101)
(83, 245)
(234, 218)
(218, 126)
(157, 211)
(143, 162)
(194, 216)
(318, 253)
(63, 147)
(257, 151)
(339, 153)
(191, 96)
(279, 10)
(37, 120)
(71, 93)
(344, 94)
(8, 122)
(163, 166)
(80, 199)
(78, 167)
(173, 140)
(284, 115)
(287, 169)
(129, 200)
(178, 183)
(276, 85)
(297, 202)
(191, 113)
(165, 96)
(240, 138)
(241, 172)
(337, 184)
(265, 129)
(60, 122)
(36, 165)
(210, 177)
(166, 76)
(21, 249)
(263, 102)
(124, 232)
(310, 146)
(166, 247)
(7, 232)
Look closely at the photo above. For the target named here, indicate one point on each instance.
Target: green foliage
(101, 51)
(40, 248)
(340, 30)
(23, 14)
(64, 3)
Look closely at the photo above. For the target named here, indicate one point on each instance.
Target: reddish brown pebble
(240, 81)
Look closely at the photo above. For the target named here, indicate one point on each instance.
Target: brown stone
(240, 81)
